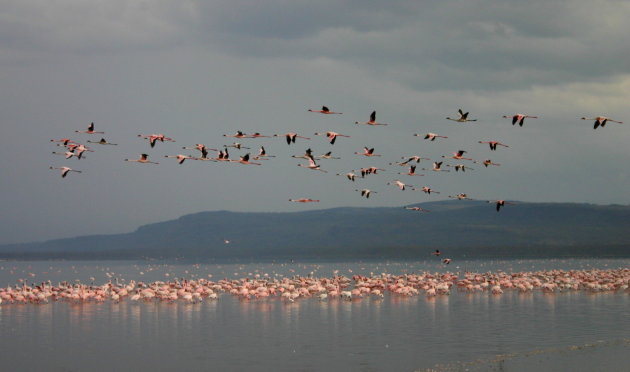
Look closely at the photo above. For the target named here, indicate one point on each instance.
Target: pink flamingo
(417, 209)
(245, 160)
(290, 137)
(412, 171)
(64, 141)
(519, 118)
(428, 190)
(103, 142)
(180, 158)
(399, 184)
(459, 155)
(324, 110)
(304, 200)
(489, 162)
(459, 167)
(90, 130)
(372, 120)
(493, 144)
(461, 196)
(430, 136)
(350, 175)
(312, 165)
(437, 167)
(601, 120)
(366, 192)
(327, 155)
(67, 154)
(65, 170)
(144, 158)
(370, 170)
(463, 117)
(499, 203)
(332, 136)
(262, 154)
(367, 152)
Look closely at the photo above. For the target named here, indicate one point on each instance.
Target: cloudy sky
(195, 70)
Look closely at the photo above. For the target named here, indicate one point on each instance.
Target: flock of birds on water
(337, 287)
(458, 161)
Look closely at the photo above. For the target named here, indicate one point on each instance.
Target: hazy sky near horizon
(195, 70)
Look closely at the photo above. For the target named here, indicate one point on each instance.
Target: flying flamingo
(372, 120)
(237, 145)
(153, 138)
(601, 120)
(459, 167)
(67, 154)
(64, 141)
(262, 154)
(307, 154)
(103, 142)
(447, 261)
(436, 253)
(417, 209)
(370, 170)
(180, 158)
(90, 130)
(332, 136)
(238, 134)
(430, 136)
(350, 175)
(428, 190)
(461, 196)
(499, 203)
(327, 155)
(304, 200)
(245, 160)
(367, 152)
(493, 144)
(290, 137)
(399, 184)
(412, 171)
(366, 192)
(65, 170)
(463, 117)
(415, 158)
(312, 165)
(437, 167)
(144, 158)
(202, 148)
(459, 155)
(519, 118)
(489, 162)
(324, 110)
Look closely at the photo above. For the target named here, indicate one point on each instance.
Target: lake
(569, 330)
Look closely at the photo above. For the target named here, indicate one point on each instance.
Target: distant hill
(461, 228)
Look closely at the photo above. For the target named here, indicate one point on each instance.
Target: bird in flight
(103, 141)
(519, 118)
(90, 130)
(601, 121)
(332, 136)
(372, 120)
(499, 203)
(493, 144)
(144, 158)
(65, 170)
(463, 117)
(304, 200)
(290, 137)
(366, 192)
(325, 110)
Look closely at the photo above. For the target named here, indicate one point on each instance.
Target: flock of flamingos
(324, 288)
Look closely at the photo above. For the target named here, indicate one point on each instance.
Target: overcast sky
(195, 70)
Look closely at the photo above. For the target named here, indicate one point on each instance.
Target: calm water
(511, 332)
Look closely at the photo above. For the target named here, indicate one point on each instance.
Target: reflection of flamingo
(324, 110)
(144, 158)
(463, 117)
(372, 120)
(601, 120)
(65, 170)
(519, 118)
